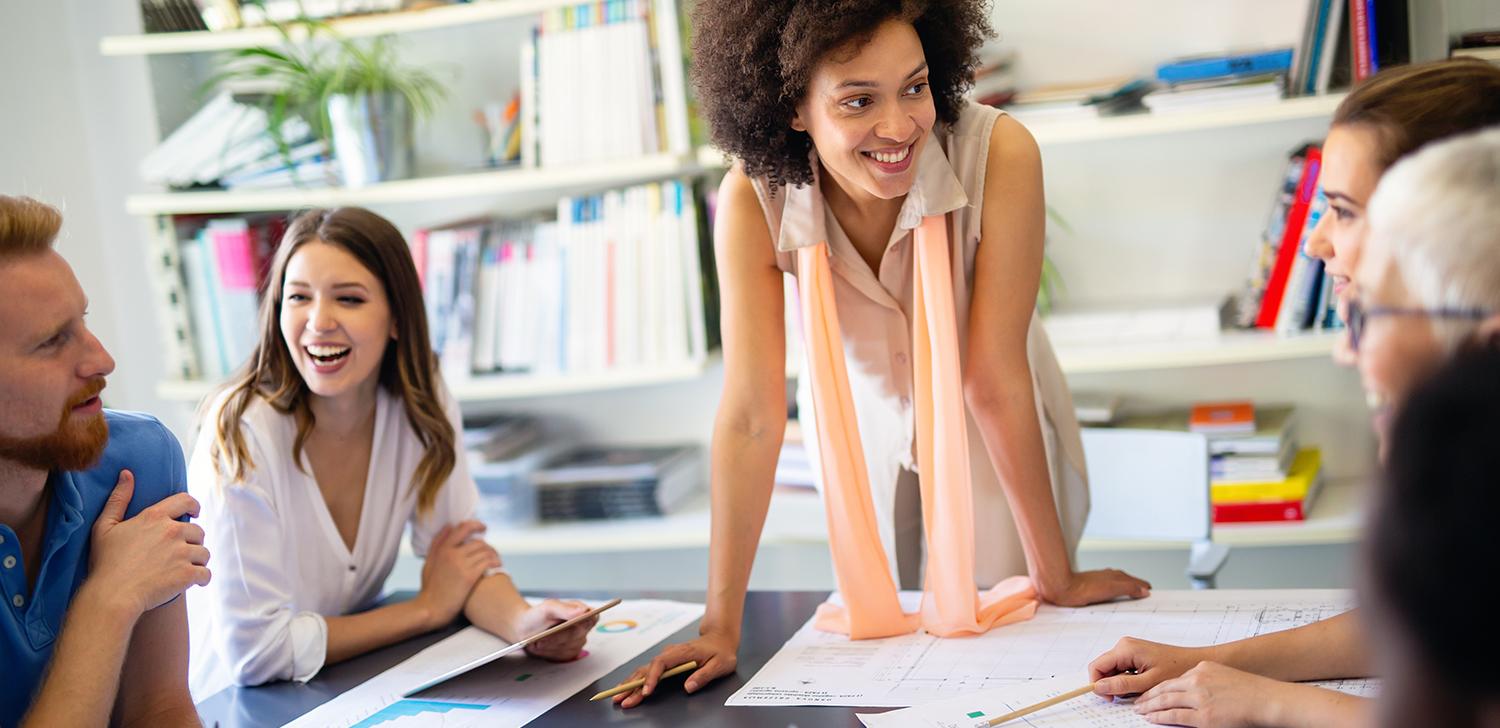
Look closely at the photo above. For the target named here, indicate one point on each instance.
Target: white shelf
(495, 388)
(797, 517)
(578, 178)
(1232, 347)
(351, 27)
(1336, 518)
(1149, 124)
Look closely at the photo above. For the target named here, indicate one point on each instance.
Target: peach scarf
(950, 604)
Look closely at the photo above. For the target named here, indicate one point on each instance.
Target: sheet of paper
(1089, 711)
(819, 668)
(513, 690)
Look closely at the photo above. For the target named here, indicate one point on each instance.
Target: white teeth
(324, 352)
(890, 157)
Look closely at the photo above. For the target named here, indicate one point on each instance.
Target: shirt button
(18, 600)
(351, 567)
(10, 562)
(900, 358)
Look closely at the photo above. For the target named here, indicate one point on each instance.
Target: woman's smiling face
(335, 320)
(868, 112)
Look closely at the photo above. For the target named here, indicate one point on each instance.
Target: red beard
(76, 444)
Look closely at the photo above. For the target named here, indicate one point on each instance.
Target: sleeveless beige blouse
(874, 311)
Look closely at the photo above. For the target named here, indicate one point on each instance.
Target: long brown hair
(408, 368)
(1409, 106)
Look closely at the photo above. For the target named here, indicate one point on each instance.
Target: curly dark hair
(752, 60)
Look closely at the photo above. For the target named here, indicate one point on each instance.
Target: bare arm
(1324, 650)
(748, 431)
(153, 685)
(85, 671)
(356, 634)
(751, 420)
(998, 382)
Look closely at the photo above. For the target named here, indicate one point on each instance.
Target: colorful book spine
(1298, 483)
(1286, 254)
(1360, 48)
(1236, 64)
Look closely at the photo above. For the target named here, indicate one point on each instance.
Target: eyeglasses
(1360, 315)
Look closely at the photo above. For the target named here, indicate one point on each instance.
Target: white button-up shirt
(875, 317)
(279, 562)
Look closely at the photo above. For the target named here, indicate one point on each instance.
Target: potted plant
(357, 98)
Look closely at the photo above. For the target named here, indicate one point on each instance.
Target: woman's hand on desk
(456, 560)
(1211, 695)
(1134, 666)
(715, 652)
(563, 646)
(1093, 587)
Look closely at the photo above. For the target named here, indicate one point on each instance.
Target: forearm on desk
(1307, 706)
(354, 635)
(1324, 650)
(743, 469)
(1005, 410)
(495, 605)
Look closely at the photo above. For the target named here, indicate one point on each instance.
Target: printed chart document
(819, 668)
(1088, 711)
(513, 690)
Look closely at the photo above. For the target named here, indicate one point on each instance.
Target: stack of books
(593, 482)
(502, 453)
(228, 143)
(1257, 470)
(1220, 81)
(619, 281)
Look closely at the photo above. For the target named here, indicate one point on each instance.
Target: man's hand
(143, 562)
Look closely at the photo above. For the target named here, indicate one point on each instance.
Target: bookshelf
(444, 16)
(1232, 347)
(1142, 125)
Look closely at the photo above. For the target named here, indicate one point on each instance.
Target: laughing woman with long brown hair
(316, 455)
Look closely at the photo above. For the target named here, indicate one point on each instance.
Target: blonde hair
(407, 371)
(1436, 216)
(27, 226)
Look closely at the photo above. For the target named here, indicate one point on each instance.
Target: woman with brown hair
(312, 460)
(1387, 118)
(912, 221)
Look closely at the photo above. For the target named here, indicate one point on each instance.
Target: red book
(1270, 303)
(1359, 40)
(1260, 512)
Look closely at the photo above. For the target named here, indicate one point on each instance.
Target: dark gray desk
(770, 619)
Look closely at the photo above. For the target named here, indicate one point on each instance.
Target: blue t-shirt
(30, 622)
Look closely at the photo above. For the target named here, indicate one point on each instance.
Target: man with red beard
(92, 552)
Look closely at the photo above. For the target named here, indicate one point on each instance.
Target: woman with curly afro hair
(912, 221)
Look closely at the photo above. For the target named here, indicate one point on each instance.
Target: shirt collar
(936, 191)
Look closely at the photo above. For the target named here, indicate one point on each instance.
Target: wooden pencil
(1049, 702)
(633, 684)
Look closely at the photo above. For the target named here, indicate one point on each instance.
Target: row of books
(603, 81)
(616, 281)
(1346, 41)
(1287, 290)
(223, 268)
(525, 476)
